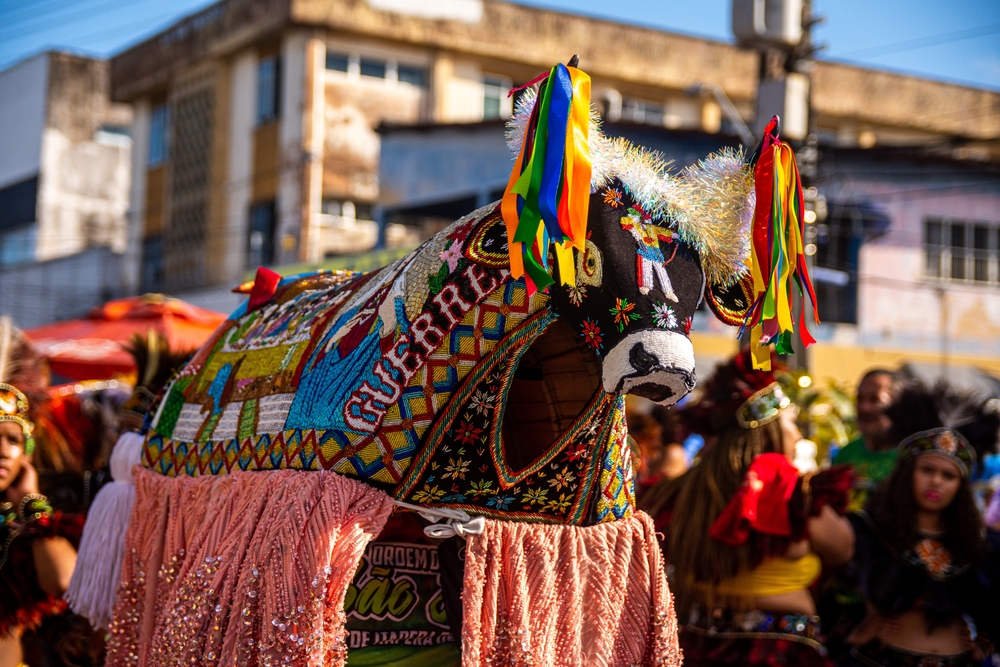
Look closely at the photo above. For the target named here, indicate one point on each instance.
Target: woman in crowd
(36, 559)
(920, 544)
(746, 535)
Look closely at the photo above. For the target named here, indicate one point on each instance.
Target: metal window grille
(159, 135)
(373, 67)
(190, 171)
(268, 89)
(260, 244)
(338, 62)
(642, 111)
(496, 104)
(961, 251)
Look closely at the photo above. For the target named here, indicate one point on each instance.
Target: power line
(50, 18)
(30, 10)
(921, 42)
(102, 32)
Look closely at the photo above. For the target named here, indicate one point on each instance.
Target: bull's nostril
(641, 360)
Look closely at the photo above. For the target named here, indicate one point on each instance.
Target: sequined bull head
(648, 246)
(636, 289)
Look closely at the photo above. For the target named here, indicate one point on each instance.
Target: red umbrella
(91, 348)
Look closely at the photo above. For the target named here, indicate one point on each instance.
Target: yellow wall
(846, 363)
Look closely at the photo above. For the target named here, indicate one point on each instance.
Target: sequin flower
(467, 433)
(562, 479)
(613, 197)
(663, 316)
(934, 556)
(456, 469)
(623, 313)
(452, 255)
(577, 293)
(428, 494)
(533, 496)
(592, 335)
(500, 502)
(481, 401)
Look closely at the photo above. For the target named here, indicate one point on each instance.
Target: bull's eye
(588, 266)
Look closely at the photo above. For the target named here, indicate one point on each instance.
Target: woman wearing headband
(920, 540)
(746, 534)
(36, 563)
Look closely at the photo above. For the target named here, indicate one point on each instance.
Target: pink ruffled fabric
(249, 568)
(567, 596)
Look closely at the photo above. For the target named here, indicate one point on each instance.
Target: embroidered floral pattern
(481, 402)
(452, 255)
(428, 494)
(663, 316)
(577, 293)
(623, 312)
(468, 468)
(934, 556)
(456, 469)
(687, 326)
(592, 335)
(613, 197)
(467, 433)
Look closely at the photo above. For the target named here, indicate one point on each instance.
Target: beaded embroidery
(463, 464)
(234, 408)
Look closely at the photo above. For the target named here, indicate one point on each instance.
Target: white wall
(293, 51)
(243, 88)
(83, 195)
(131, 267)
(23, 90)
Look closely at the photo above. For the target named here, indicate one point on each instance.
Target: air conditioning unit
(767, 22)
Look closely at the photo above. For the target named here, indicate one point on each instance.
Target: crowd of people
(881, 556)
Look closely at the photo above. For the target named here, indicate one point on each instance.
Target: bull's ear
(731, 304)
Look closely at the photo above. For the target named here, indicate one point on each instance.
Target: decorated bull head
(654, 245)
(633, 298)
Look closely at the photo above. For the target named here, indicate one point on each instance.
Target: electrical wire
(922, 42)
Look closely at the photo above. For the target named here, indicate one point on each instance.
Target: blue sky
(940, 39)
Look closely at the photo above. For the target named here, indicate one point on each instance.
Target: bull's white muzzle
(655, 364)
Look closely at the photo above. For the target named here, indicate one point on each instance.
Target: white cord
(456, 522)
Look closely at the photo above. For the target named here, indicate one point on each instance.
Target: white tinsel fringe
(711, 203)
(94, 586)
(126, 455)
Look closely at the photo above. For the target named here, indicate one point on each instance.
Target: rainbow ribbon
(548, 194)
(777, 255)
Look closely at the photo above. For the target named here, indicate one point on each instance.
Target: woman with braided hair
(920, 544)
(745, 534)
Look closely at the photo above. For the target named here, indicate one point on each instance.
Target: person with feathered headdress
(920, 545)
(36, 558)
(745, 533)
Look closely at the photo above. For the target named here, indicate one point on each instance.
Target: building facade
(256, 141)
(64, 187)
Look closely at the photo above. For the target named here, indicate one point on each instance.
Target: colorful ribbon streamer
(548, 193)
(777, 254)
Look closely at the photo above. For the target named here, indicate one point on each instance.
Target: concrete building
(64, 187)
(256, 141)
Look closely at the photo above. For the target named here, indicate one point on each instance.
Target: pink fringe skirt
(567, 596)
(249, 568)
